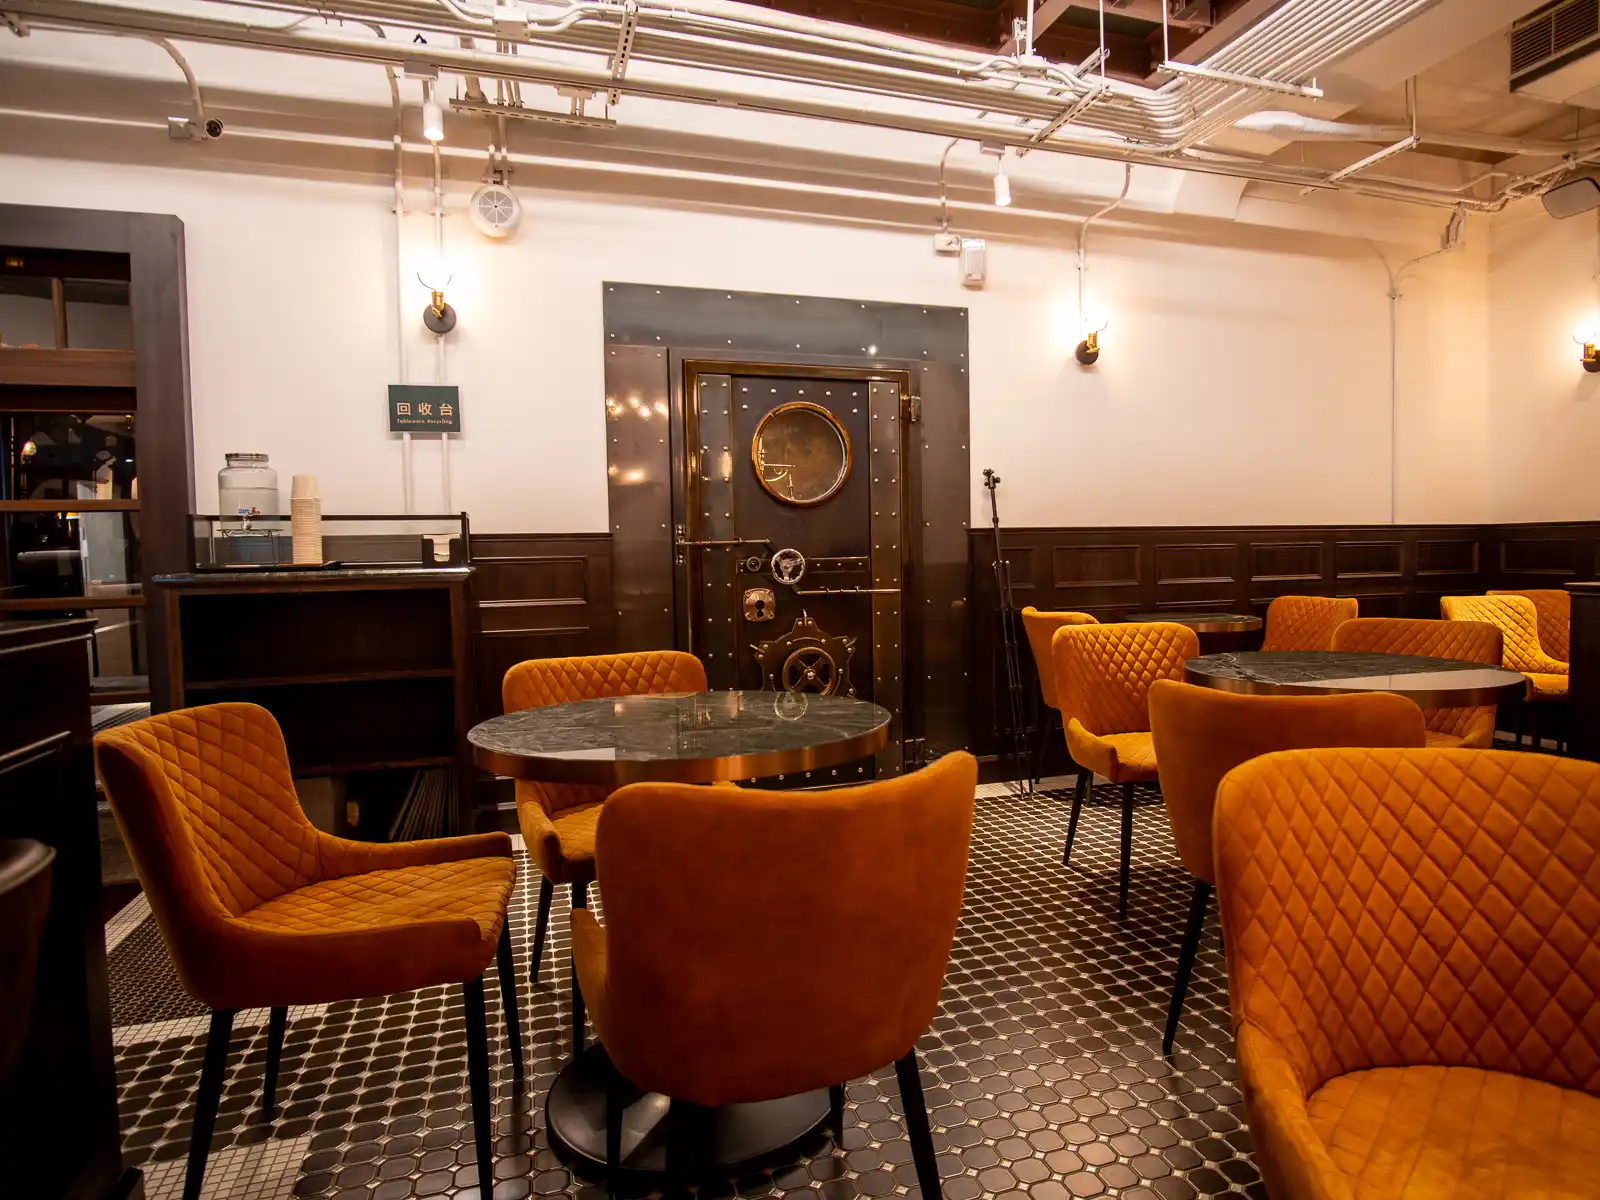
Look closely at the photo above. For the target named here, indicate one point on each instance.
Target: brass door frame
(702, 523)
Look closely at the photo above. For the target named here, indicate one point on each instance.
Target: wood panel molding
(538, 595)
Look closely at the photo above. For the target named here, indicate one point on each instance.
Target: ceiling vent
(1552, 52)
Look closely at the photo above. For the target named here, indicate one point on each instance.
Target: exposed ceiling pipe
(1163, 122)
(1298, 127)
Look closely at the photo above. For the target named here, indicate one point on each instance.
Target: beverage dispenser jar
(246, 488)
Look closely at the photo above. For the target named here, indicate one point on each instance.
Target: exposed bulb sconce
(432, 121)
(1088, 351)
(438, 316)
(1586, 336)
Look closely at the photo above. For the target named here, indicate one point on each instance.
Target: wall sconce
(1088, 351)
(438, 316)
(1586, 336)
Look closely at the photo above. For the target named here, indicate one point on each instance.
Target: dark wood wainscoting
(550, 594)
(1393, 570)
(538, 595)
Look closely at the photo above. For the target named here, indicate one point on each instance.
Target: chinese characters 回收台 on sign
(424, 408)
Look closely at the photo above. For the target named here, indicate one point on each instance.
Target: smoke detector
(495, 210)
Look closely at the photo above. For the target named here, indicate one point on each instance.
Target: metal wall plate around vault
(639, 485)
(924, 344)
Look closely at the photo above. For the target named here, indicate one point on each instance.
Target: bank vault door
(790, 559)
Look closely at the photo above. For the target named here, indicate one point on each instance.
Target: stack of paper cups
(305, 520)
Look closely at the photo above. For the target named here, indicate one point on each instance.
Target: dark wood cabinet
(1583, 700)
(58, 1108)
(365, 669)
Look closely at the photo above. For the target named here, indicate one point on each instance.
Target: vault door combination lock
(759, 604)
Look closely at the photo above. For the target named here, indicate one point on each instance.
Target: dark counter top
(225, 579)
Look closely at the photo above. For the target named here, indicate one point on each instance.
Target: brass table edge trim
(1464, 697)
(617, 772)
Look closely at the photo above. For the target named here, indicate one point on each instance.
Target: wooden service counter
(365, 668)
(58, 1107)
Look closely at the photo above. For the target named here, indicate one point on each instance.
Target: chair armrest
(1091, 751)
(343, 856)
(1293, 1160)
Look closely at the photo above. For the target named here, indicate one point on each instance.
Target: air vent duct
(1553, 38)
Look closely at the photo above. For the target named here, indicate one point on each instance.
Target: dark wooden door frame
(158, 299)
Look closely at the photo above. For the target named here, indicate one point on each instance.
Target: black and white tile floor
(1043, 1069)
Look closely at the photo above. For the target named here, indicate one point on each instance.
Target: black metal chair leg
(1535, 735)
(922, 1154)
(580, 899)
(1127, 849)
(1084, 776)
(478, 1083)
(540, 924)
(277, 1022)
(1191, 946)
(836, 1108)
(506, 968)
(1047, 726)
(206, 1100)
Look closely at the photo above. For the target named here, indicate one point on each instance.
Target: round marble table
(1203, 622)
(682, 737)
(1430, 682)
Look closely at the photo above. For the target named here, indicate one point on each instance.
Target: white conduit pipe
(1083, 242)
(438, 338)
(1394, 371)
(407, 501)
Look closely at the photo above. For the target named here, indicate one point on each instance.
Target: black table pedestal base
(575, 1113)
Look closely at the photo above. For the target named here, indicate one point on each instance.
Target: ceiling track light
(432, 121)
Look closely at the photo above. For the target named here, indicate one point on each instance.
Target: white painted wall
(1245, 376)
(1544, 412)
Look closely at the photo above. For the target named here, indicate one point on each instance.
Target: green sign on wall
(424, 408)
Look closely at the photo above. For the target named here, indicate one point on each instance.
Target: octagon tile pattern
(1043, 1069)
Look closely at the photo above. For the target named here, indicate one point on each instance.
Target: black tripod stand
(1016, 736)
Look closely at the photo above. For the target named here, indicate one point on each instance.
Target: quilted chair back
(1104, 672)
(1518, 622)
(1201, 734)
(1386, 908)
(1306, 622)
(1465, 641)
(1553, 608)
(1040, 628)
(208, 809)
(706, 888)
(541, 681)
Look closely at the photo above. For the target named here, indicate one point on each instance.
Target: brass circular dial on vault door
(801, 453)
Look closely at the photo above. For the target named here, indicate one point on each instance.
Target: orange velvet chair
(1465, 641)
(1103, 677)
(868, 879)
(1201, 734)
(1517, 618)
(1413, 942)
(262, 910)
(558, 820)
(1553, 608)
(1040, 628)
(1306, 622)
